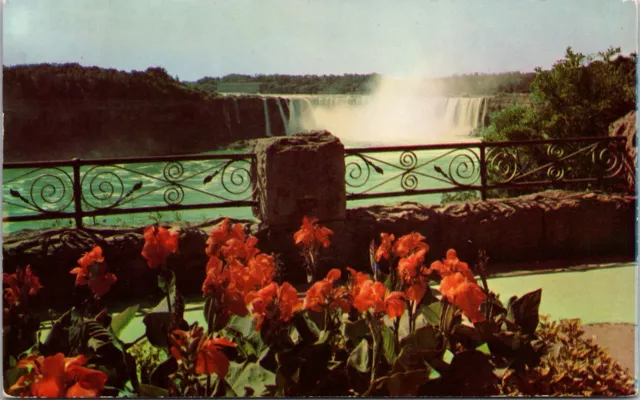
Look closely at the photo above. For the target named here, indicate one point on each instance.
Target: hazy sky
(195, 38)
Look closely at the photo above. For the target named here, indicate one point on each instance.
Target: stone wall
(551, 225)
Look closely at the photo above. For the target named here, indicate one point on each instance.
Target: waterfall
(267, 123)
(285, 121)
(463, 114)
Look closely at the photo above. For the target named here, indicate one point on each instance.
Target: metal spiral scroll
(503, 164)
(51, 191)
(610, 159)
(236, 176)
(173, 171)
(106, 188)
(358, 171)
(174, 195)
(409, 160)
(464, 168)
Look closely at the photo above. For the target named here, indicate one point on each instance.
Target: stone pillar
(299, 175)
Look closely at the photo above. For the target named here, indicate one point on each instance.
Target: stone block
(299, 175)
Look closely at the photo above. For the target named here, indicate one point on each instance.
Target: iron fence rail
(88, 188)
(77, 189)
(377, 172)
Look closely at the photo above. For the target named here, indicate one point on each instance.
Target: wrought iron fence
(484, 166)
(87, 188)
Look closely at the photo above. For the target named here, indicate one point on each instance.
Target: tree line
(75, 82)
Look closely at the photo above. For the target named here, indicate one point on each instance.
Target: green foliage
(75, 82)
(572, 366)
(579, 96)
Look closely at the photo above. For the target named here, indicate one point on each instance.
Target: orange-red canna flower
(273, 301)
(452, 265)
(21, 283)
(377, 296)
(409, 266)
(311, 233)
(193, 347)
(217, 285)
(217, 238)
(357, 279)
(386, 247)
(210, 357)
(322, 294)
(92, 271)
(57, 376)
(465, 294)
(409, 244)
(158, 244)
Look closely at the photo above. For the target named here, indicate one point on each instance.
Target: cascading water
(267, 122)
(285, 121)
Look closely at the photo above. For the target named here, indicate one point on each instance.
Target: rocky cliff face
(626, 127)
(91, 129)
(37, 130)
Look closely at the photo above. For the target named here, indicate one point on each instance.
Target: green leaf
(425, 338)
(407, 384)
(525, 311)
(356, 331)
(120, 321)
(387, 284)
(167, 282)
(244, 325)
(152, 391)
(324, 336)
(157, 326)
(388, 344)
(359, 358)
(484, 348)
(431, 312)
(254, 377)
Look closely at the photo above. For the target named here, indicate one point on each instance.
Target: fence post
(77, 193)
(483, 172)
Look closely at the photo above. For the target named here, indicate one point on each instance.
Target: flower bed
(386, 331)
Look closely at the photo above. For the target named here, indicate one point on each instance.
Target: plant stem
(396, 331)
(208, 392)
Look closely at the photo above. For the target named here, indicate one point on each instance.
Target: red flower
(57, 376)
(217, 238)
(216, 285)
(210, 357)
(274, 302)
(377, 296)
(22, 283)
(409, 244)
(465, 294)
(452, 265)
(311, 234)
(92, 271)
(384, 251)
(409, 266)
(356, 281)
(322, 294)
(192, 347)
(158, 244)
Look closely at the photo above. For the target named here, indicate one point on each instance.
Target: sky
(424, 38)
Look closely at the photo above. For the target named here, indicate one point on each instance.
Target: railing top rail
(127, 160)
(382, 149)
(444, 146)
(556, 141)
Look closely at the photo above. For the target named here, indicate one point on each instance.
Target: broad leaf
(431, 312)
(356, 331)
(167, 283)
(388, 344)
(254, 377)
(426, 338)
(359, 358)
(152, 391)
(525, 311)
(120, 321)
(407, 384)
